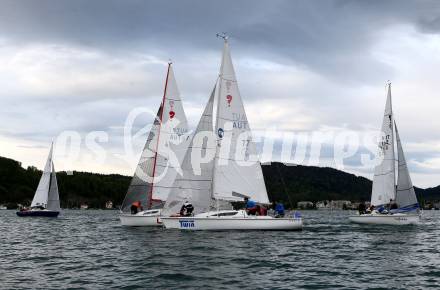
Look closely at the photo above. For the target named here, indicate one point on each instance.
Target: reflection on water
(90, 249)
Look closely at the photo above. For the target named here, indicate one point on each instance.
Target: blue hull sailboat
(46, 202)
(38, 213)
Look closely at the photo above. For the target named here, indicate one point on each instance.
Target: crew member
(370, 209)
(251, 206)
(279, 210)
(362, 208)
(392, 205)
(186, 209)
(136, 207)
(262, 211)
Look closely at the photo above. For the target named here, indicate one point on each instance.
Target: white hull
(205, 222)
(142, 219)
(386, 219)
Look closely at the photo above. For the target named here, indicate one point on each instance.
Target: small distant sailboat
(385, 192)
(230, 176)
(159, 162)
(46, 202)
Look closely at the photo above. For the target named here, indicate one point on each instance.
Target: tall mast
(393, 138)
(150, 194)
(51, 170)
(219, 89)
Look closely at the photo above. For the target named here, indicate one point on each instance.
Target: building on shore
(340, 204)
(336, 204)
(322, 205)
(305, 205)
(354, 205)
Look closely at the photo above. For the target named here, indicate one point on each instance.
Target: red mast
(150, 194)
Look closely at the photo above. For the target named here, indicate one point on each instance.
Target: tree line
(287, 184)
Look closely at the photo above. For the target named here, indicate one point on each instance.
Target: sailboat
(46, 201)
(159, 162)
(221, 166)
(385, 193)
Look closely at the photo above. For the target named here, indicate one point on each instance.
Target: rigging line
(171, 186)
(383, 174)
(238, 160)
(405, 189)
(215, 126)
(284, 185)
(193, 179)
(192, 188)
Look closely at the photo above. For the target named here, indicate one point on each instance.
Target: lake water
(89, 249)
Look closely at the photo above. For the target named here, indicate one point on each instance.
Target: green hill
(289, 184)
(17, 185)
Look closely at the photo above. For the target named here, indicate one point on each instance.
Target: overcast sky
(302, 66)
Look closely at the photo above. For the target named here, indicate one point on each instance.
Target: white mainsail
(225, 170)
(405, 195)
(47, 195)
(237, 170)
(195, 184)
(384, 179)
(41, 194)
(173, 141)
(163, 151)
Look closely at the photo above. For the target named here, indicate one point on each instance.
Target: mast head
(223, 35)
(388, 85)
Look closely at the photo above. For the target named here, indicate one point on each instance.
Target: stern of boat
(385, 219)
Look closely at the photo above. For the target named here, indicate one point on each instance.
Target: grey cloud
(332, 37)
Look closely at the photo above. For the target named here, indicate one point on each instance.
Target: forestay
(384, 173)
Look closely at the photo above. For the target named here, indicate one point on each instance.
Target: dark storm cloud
(330, 37)
(83, 65)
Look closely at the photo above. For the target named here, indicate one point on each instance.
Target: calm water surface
(89, 249)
